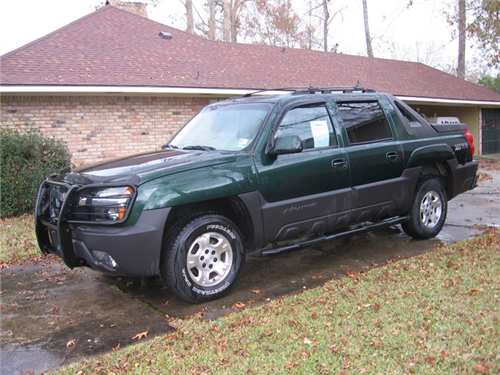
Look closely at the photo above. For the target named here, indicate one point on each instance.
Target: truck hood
(136, 169)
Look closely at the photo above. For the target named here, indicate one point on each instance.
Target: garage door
(491, 131)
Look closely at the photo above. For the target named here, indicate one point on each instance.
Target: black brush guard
(53, 233)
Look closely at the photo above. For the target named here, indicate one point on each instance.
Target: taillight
(470, 141)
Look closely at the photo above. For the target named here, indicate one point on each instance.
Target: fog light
(105, 258)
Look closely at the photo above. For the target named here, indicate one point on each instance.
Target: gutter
(146, 90)
(424, 100)
(156, 90)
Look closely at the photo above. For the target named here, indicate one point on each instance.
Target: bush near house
(26, 159)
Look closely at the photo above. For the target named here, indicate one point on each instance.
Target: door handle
(392, 156)
(339, 163)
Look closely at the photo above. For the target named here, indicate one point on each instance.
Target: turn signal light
(121, 213)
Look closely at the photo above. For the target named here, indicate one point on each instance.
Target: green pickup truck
(257, 175)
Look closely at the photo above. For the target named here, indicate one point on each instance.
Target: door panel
(317, 214)
(302, 191)
(375, 159)
(304, 186)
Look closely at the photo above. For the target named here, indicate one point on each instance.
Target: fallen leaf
(71, 343)
(140, 335)
(239, 305)
(473, 291)
(431, 360)
(481, 369)
(290, 365)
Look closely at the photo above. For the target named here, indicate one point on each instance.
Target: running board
(367, 228)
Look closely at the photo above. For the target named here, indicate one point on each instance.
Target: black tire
(420, 225)
(181, 279)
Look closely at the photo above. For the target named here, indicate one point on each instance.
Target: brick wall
(96, 128)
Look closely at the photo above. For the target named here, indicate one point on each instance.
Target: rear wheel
(428, 211)
(203, 258)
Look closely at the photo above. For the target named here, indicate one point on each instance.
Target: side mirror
(289, 144)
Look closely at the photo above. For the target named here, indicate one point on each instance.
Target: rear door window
(364, 122)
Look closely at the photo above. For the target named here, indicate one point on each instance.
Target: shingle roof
(113, 47)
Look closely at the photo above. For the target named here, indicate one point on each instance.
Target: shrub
(25, 160)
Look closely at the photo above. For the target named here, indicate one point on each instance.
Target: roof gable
(113, 47)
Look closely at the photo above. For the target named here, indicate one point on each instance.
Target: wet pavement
(52, 315)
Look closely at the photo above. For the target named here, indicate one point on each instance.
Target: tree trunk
(234, 24)
(326, 20)
(227, 21)
(189, 16)
(461, 39)
(369, 50)
(211, 19)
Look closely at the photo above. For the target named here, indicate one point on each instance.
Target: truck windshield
(230, 127)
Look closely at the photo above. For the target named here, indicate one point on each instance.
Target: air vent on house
(165, 35)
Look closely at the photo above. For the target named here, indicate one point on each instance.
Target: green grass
(17, 240)
(432, 314)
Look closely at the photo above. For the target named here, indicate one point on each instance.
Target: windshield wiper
(168, 145)
(199, 147)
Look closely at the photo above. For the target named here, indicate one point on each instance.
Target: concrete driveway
(52, 315)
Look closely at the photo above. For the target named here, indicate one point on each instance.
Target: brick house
(114, 83)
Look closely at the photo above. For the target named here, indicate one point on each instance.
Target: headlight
(103, 205)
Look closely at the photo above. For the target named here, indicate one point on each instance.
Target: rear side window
(311, 123)
(364, 121)
(412, 120)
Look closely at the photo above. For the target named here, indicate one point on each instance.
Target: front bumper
(134, 249)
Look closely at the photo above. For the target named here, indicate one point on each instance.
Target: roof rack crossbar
(329, 90)
(293, 89)
(311, 90)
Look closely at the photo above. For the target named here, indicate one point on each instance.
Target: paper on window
(243, 142)
(320, 133)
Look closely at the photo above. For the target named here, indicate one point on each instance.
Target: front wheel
(428, 211)
(203, 258)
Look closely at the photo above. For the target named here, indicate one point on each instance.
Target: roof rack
(313, 90)
(293, 89)
(329, 90)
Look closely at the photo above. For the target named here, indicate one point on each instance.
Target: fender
(430, 154)
(197, 186)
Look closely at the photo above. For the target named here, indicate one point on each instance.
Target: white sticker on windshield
(320, 133)
(242, 142)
